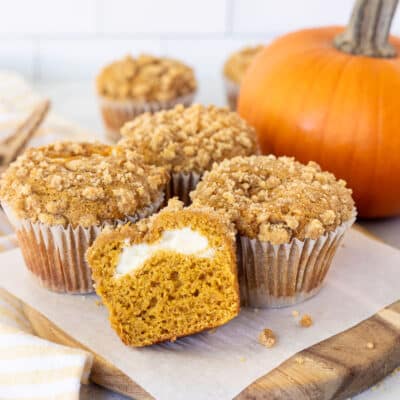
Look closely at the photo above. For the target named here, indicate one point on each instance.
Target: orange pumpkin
(334, 98)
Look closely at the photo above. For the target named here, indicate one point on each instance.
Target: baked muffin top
(190, 139)
(80, 184)
(276, 199)
(146, 78)
(237, 64)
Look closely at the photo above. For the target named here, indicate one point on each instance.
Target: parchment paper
(364, 278)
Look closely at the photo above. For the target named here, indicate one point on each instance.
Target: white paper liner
(232, 93)
(181, 184)
(55, 255)
(116, 112)
(286, 274)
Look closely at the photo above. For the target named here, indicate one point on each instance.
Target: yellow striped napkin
(32, 368)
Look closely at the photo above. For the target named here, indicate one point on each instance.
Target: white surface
(183, 241)
(206, 362)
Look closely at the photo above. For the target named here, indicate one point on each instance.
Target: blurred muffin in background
(234, 69)
(132, 86)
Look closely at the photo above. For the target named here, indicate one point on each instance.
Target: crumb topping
(146, 78)
(80, 183)
(190, 139)
(276, 199)
(237, 64)
(306, 321)
(267, 338)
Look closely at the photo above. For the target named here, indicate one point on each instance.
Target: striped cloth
(32, 368)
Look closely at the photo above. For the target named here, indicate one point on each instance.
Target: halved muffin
(168, 276)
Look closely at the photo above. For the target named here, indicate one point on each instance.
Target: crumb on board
(295, 313)
(370, 345)
(98, 303)
(300, 360)
(306, 321)
(267, 338)
(242, 359)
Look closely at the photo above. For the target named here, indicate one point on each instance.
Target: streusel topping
(80, 184)
(190, 139)
(237, 64)
(276, 199)
(146, 78)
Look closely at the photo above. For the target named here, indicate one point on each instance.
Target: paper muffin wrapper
(55, 254)
(181, 184)
(116, 112)
(286, 274)
(232, 93)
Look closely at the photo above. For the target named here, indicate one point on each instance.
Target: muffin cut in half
(168, 276)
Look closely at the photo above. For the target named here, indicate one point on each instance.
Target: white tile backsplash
(18, 55)
(82, 59)
(162, 16)
(287, 15)
(47, 17)
(72, 39)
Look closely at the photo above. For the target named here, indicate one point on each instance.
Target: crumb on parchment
(306, 321)
(267, 338)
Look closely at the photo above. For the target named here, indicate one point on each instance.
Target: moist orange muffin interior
(171, 294)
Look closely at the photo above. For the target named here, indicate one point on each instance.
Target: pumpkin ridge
(306, 96)
(333, 96)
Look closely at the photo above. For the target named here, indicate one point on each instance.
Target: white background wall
(71, 39)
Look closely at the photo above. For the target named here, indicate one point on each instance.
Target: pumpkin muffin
(187, 141)
(132, 86)
(290, 219)
(234, 70)
(168, 276)
(58, 197)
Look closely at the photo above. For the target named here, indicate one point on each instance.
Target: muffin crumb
(295, 313)
(370, 345)
(82, 184)
(267, 338)
(276, 199)
(306, 321)
(190, 139)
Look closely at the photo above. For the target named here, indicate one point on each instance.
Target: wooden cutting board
(336, 368)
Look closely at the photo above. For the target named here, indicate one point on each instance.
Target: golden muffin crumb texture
(146, 78)
(171, 294)
(237, 64)
(80, 184)
(276, 199)
(190, 139)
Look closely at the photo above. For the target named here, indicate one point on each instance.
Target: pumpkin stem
(368, 30)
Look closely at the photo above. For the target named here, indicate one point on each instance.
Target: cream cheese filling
(183, 241)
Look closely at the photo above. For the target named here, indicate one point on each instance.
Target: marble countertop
(76, 101)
